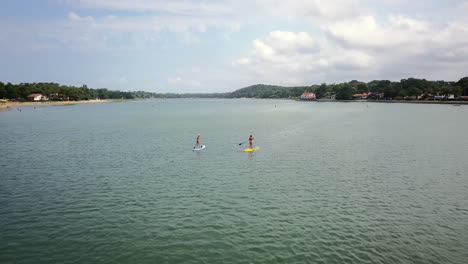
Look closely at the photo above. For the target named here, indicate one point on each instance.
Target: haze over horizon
(219, 46)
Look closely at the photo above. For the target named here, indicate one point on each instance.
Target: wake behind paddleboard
(200, 148)
(251, 149)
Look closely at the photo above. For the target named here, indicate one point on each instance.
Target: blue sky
(218, 46)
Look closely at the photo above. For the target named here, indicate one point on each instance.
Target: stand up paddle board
(251, 149)
(200, 148)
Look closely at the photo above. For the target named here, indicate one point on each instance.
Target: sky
(191, 46)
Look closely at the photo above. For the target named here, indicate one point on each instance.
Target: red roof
(34, 95)
(308, 95)
(360, 95)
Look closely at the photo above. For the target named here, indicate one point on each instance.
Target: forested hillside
(405, 89)
(63, 92)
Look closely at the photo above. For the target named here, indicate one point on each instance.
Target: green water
(332, 183)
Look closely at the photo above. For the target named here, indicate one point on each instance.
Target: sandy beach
(10, 105)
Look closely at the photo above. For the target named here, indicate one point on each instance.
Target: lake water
(332, 183)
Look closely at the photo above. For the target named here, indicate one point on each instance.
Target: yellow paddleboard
(251, 149)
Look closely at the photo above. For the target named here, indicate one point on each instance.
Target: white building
(38, 97)
(308, 96)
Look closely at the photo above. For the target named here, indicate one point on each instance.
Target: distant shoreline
(322, 100)
(395, 101)
(354, 101)
(9, 105)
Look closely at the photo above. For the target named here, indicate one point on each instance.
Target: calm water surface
(332, 183)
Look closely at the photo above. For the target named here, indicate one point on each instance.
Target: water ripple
(355, 190)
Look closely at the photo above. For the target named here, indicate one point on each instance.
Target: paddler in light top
(251, 139)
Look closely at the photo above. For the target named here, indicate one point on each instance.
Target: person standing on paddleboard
(251, 139)
(198, 141)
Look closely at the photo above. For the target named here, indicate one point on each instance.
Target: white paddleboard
(200, 148)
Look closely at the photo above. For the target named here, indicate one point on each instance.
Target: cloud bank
(297, 42)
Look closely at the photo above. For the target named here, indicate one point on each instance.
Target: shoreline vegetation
(409, 90)
(405, 90)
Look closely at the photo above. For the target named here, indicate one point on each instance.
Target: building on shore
(37, 97)
(361, 96)
(437, 96)
(308, 96)
(369, 95)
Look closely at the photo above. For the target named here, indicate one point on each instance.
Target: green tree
(390, 90)
(12, 91)
(3, 92)
(321, 91)
(463, 83)
(361, 88)
(345, 92)
(457, 90)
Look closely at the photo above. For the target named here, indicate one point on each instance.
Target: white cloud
(278, 46)
(297, 57)
(74, 17)
(307, 41)
(399, 35)
(112, 31)
(348, 21)
(367, 32)
(143, 20)
(186, 19)
(292, 42)
(367, 47)
(263, 51)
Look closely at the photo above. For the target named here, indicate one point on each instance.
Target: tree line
(409, 89)
(63, 92)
